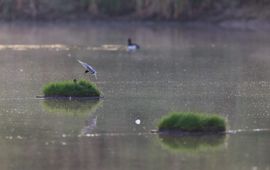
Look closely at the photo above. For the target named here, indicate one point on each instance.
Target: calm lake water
(178, 68)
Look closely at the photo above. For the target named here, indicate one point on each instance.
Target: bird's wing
(137, 46)
(83, 64)
(88, 67)
(91, 69)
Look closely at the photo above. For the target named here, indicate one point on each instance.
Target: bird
(88, 68)
(132, 46)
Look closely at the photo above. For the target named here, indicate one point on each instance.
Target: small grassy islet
(192, 122)
(81, 88)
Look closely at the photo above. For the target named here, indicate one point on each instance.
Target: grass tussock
(82, 88)
(192, 122)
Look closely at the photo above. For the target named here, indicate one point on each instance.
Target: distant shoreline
(255, 25)
(239, 14)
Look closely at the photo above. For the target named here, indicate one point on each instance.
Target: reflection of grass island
(69, 117)
(82, 88)
(72, 108)
(192, 144)
(191, 122)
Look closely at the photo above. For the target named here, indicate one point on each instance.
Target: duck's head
(129, 41)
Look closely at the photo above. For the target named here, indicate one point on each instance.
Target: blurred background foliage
(135, 9)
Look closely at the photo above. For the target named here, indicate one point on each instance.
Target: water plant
(81, 88)
(192, 122)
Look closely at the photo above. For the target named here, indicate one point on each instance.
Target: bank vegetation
(179, 10)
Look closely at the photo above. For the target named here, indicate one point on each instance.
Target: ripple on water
(25, 47)
(237, 131)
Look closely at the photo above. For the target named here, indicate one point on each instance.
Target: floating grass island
(192, 122)
(81, 88)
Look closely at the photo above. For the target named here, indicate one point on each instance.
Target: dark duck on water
(132, 46)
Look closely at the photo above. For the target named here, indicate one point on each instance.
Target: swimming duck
(132, 46)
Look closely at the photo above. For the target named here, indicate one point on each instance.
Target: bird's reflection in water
(75, 112)
(91, 124)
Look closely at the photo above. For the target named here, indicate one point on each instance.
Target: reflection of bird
(132, 46)
(90, 126)
(88, 68)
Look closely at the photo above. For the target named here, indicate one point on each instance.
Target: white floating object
(138, 121)
(19, 137)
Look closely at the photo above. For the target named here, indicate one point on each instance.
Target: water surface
(178, 68)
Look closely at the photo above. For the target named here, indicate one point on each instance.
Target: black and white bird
(88, 68)
(132, 46)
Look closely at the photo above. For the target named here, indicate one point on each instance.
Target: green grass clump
(82, 88)
(192, 122)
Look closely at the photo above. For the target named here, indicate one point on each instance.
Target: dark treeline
(180, 10)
